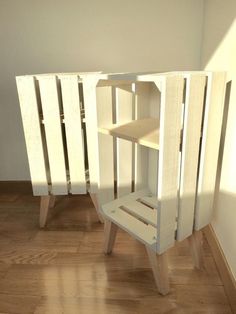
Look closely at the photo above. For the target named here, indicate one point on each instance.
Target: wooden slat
(124, 113)
(33, 136)
(144, 233)
(168, 163)
(154, 111)
(143, 131)
(131, 197)
(210, 148)
(52, 123)
(142, 91)
(150, 200)
(74, 136)
(106, 154)
(141, 211)
(89, 92)
(195, 87)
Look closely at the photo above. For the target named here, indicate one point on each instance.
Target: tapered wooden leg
(44, 207)
(95, 203)
(159, 266)
(110, 230)
(52, 201)
(195, 243)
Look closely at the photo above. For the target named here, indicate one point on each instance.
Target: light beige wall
(83, 35)
(219, 53)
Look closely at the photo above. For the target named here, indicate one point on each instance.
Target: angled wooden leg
(44, 207)
(110, 230)
(159, 266)
(52, 201)
(195, 243)
(95, 203)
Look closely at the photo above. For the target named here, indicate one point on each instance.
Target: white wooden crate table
(53, 114)
(158, 141)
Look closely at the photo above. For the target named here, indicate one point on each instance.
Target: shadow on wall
(222, 139)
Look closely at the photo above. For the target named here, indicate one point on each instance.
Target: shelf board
(143, 131)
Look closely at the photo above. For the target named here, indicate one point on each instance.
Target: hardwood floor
(62, 268)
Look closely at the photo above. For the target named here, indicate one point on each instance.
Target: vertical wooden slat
(89, 92)
(155, 100)
(210, 148)
(52, 122)
(74, 136)
(106, 155)
(195, 87)
(33, 139)
(124, 113)
(142, 91)
(168, 163)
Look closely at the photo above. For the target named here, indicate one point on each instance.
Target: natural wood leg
(195, 243)
(159, 266)
(95, 203)
(44, 207)
(52, 201)
(110, 230)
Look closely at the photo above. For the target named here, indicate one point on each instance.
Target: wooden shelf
(143, 131)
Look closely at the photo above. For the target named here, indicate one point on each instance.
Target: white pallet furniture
(158, 141)
(53, 116)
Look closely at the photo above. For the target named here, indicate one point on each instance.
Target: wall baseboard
(22, 187)
(225, 272)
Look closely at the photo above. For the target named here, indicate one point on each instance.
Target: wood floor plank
(62, 269)
(18, 304)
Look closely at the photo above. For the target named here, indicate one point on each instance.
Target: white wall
(219, 53)
(83, 35)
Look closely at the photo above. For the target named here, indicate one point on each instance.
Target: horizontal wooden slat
(144, 233)
(131, 197)
(150, 200)
(141, 211)
(142, 131)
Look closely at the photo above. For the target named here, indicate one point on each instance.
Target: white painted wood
(140, 167)
(210, 148)
(127, 198)
(141, 211)
(32, 132)
(52, 123)
(195, 87)
(144, 233)
(153, 170)
(124, 113)
(168, 163)
(74, 136)
(105, 146)
(150, 200)
(142, 131)
(89, 92)
(141, 111)
(154, 111)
